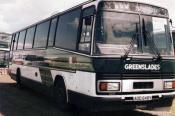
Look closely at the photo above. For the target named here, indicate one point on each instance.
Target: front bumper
(120, 102)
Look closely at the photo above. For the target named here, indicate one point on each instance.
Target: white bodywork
(85, 82)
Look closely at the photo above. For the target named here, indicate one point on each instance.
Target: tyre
(60, 95)
(18, 79)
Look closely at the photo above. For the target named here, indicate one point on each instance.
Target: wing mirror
(171, 22)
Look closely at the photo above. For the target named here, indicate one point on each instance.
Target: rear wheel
(18, 79)
(60, 95)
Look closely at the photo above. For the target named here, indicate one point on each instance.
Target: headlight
(109, 86)
(169, 85)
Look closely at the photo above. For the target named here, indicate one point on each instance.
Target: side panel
(80, 81)
(31, 73)
(43, 66)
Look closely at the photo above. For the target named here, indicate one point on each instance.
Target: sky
(17, 14)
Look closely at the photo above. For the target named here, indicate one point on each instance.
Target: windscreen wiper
(131, 45)
(153, 47)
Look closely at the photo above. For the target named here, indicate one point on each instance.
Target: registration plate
(142, 98)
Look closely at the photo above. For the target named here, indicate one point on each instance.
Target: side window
(15, 41)
(41, 35)
(52, 32)
(173, 34)
(86, 32)
(29, 38)
(67, 30)
(12, 43)
(22, 35)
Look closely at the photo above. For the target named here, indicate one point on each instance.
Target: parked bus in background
(101, 54)
(4, 49)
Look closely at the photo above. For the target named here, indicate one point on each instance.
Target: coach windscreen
(142, 30)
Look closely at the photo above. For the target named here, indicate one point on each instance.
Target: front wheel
(60, 95)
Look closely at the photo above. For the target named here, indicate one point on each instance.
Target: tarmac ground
(25, 102)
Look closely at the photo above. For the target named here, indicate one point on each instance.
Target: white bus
(101, 54)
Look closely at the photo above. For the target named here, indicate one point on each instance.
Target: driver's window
(86, 29)
(86, 32)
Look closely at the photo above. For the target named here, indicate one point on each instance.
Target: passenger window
(12, 43)
(41, 35)
(67, 30)
(29, 38)
(86, 32)
(22, 35)
(52, 32)
(15, 41)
